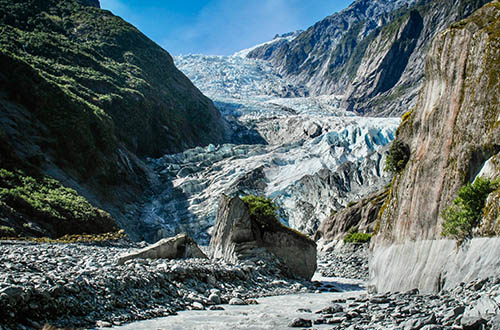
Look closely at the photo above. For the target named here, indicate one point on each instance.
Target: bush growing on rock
(465, 213)
(261, 208)
(353, 236)
(398, 156)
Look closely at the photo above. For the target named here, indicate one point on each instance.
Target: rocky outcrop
(180, 246)
(372, 52)
(454, 129)
(362, 215)
(238, 236)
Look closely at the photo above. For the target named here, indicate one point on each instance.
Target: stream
(270, 312)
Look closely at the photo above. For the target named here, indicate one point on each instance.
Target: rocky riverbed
(474, 305)
(470, 306)
(348, 261)
(82, 285)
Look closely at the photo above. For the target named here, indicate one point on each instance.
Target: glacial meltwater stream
(270, 312)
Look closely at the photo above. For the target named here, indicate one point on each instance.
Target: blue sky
(219, 27)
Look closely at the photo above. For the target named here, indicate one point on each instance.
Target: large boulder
(238, 235)
(180, 246)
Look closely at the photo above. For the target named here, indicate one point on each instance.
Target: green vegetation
(57, 209)
(6, 231)
(111, 236)
(398, 156)
(406, 116)
(262, 209)
(466, 212)
(353, 236)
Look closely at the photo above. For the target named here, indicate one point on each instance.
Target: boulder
(238, 235)
(180, 246)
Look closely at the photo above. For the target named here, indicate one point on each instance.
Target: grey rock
(484, 307)
(300, 323)
(413, 211)
(197, 306)
(103, 290)
(251, 302)
(454, 313)
(494, 323)
(103, 324)
(379, 300)
(238, 237)
(331, 309)
(180, 246)
(215, 298)
(237, 301)
(473, 323)
(304, 310)
(14, 294)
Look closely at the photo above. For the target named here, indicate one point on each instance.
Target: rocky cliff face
(372, 53)
(454, 129)
(313, 55)
(84, 94)
(362, 215)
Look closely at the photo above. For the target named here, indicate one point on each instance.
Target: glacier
(306, 153)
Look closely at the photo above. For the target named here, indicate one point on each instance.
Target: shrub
(398, 156)
(357, 237)
(261, 207)
(7, 231)
(465, 213)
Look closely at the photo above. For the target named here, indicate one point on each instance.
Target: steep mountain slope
(372, 52)
(330, 42)
(454, 129)
(83, 93)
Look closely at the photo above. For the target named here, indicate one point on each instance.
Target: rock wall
(432, 265)
(454, 129)
(453, 135)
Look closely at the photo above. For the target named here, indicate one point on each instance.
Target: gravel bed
(81, 285)
(349, 261)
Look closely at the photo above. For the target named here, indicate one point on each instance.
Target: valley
(306, 153)
(345, 176)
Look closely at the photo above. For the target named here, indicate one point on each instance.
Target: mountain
(372, 53)
(84, 96)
